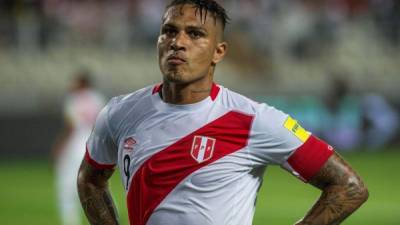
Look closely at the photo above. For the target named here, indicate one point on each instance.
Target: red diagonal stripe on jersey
(160, 174)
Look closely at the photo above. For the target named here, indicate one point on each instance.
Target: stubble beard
(174, 77)
(179, 75)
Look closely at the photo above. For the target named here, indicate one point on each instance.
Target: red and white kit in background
(80, 109)
(201, 163)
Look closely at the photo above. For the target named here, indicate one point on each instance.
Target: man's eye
(169, 31)
(196, 34)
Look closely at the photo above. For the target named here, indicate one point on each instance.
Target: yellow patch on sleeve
(294, 127)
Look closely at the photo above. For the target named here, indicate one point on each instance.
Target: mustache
(176, 55)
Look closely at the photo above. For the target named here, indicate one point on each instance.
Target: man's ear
(220, 52)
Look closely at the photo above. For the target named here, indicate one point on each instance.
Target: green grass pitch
(27, 195)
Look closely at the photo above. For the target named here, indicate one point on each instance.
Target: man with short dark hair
(192, 152)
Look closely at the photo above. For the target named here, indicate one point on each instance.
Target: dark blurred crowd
(312, 24)
(347, 120)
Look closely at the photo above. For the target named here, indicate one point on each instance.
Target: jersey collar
(213, 93)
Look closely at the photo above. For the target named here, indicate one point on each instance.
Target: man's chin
(174, 78)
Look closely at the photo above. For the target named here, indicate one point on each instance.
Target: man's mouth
(175, 60)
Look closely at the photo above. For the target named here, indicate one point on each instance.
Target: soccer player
(81, 107)
(192, 152)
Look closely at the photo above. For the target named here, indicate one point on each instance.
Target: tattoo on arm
(95, 196)
(342, 193)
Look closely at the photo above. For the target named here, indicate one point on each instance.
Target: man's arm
(95, 196)
(342, 193)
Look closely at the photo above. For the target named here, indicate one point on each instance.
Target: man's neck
(181, 94)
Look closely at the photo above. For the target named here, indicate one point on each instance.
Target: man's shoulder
(124, 103)
(130, 98)
(238, 102)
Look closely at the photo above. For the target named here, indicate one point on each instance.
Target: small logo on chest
(129, 143)
(202, 148)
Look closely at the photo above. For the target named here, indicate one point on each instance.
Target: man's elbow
(357, 190)
(364, 193)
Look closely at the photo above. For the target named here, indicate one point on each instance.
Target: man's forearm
(95, 196)
(98, 205)
(334, 205)
(342, 193)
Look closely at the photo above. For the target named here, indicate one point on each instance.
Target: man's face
(188, 46)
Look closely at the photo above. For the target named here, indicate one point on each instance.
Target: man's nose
(178, 42)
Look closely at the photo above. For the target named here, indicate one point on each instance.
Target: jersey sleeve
(101, 150)
(279, 139)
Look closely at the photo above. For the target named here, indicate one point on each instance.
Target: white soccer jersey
(201, 163)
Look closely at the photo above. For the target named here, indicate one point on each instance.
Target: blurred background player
(81, 107)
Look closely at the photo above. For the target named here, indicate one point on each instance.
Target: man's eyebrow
(190, 27)
(196, 28)
(170, 25)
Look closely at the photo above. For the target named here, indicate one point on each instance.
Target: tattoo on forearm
(343, 193)
(100, 209)
(95, 197)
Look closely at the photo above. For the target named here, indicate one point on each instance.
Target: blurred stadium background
(332, 64)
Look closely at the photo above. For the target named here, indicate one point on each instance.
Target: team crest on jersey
(202, 148)
(129, 143)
